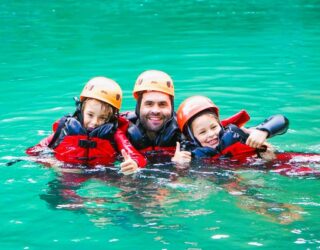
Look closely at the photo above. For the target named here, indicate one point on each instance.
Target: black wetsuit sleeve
(274, 125)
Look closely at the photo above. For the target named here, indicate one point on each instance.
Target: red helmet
(193, 106)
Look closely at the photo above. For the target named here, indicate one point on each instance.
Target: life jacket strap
(86, 158)
(87, 143)
(57, 132)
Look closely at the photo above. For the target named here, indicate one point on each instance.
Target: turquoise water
(262, 56)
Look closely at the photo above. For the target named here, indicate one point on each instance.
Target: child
(93, 133)
(198, 119)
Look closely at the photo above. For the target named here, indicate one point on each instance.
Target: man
(153, 128)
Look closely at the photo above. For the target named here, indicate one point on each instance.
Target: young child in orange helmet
(198, 119)
(94, 134)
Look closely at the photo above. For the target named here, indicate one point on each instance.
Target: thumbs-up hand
(128, 166)
(181, 157)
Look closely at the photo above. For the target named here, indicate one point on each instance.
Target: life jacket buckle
(87, 143)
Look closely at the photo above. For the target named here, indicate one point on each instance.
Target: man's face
(155, 110)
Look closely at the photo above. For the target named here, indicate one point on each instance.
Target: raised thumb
(178, 147)
(125, 154)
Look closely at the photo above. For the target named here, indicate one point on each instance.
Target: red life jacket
(81, 149)
(72, 144)
(237, 152)
(68, 133)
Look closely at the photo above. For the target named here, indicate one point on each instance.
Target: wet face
(206, 129)
(95, 113)
(155, 110)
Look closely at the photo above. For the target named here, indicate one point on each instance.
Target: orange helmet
(103, 89)
(153, 80)
(193, 106)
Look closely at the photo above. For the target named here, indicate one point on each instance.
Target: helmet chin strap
(138, 105)
(191, 136)
(78, 112)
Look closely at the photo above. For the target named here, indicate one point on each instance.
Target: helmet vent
(90, 87)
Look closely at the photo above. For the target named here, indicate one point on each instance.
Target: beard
(153, 123)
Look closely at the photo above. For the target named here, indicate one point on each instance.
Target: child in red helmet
(198, 119)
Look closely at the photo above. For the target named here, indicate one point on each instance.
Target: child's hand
(269, 154)
(256, 138)
(181, 157)
(129, 166)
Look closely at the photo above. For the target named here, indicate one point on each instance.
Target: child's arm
(274, 125)
(37, 149)
(256, 137)
(133, 159)
(44, 143)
